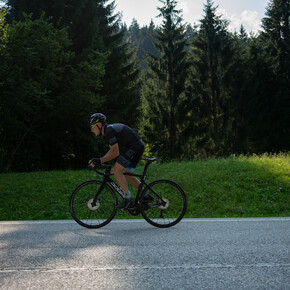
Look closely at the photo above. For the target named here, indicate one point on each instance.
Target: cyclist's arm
(111, 154)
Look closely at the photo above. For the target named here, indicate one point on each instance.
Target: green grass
(256, 186)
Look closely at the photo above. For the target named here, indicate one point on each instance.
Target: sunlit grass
(226, 187)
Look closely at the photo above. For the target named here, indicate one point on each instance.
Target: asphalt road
(195, 254)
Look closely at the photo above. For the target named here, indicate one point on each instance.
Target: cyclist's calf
(118, 170)
(133, 180)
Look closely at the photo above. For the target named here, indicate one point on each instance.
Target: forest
(192, 91)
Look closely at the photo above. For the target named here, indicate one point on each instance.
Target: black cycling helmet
(98, 117)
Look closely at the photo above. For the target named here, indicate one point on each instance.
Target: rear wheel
(92, 215)
(169, 204)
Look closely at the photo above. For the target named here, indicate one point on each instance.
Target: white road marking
(197, 220)
(137, 268)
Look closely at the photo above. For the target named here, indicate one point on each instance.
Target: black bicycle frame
(116, 188)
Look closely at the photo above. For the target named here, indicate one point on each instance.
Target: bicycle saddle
(150, 160)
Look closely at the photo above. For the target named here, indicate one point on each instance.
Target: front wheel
(169, 204)
(91, 215)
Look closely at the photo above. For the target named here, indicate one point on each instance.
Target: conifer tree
(120, 90)
(276, 45)
(163, 92)
(98, 47)
(267, 100)
(141, 40)
(240, 95)
(212, 68)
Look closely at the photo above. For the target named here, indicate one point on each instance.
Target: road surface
(248, 253)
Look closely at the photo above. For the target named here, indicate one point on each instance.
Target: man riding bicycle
(124, 143)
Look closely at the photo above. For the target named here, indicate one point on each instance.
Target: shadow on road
(134, 255)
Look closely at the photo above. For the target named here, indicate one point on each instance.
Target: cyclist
(124, 143)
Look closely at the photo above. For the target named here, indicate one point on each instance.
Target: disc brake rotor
(93, 207)
(166, 205)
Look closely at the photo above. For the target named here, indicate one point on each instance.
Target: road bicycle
(93, 203)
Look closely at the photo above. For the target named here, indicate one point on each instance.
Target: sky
(246, 12)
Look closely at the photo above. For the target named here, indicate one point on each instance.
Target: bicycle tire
(174, 204)
(82, 210)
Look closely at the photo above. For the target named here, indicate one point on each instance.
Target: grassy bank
(256, 186)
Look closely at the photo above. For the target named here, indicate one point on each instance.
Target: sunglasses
(93, 126)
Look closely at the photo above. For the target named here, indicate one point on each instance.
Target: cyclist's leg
(118, 171)
(133, 180)
(122, 179)
(127, 163)
(138, 150)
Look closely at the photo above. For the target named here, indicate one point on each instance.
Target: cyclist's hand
(95, 162)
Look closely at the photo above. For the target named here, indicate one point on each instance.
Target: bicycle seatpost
(148, 162)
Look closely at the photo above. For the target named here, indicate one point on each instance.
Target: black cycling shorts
(131, 157)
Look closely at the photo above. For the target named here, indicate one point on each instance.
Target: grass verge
(256, 186)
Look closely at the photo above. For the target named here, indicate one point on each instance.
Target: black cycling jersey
(131, 146)
(121, 134)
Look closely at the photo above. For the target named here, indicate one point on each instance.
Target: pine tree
(267, 101)
(121, 83)
(212, 58)
(276, 40)
(141, 40)
(240, 95)
(92, 25)
(98, 47)
(163, 92)
(258, 99)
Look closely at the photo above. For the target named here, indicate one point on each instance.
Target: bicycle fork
(94, 202)
(105, 180)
